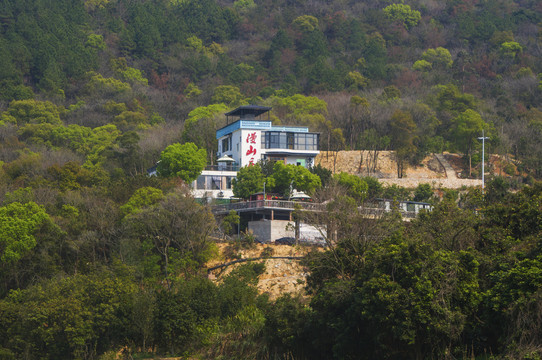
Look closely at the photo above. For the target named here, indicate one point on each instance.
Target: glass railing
(222, 167)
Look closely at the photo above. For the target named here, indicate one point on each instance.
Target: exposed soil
(429, 171)
(280, 276)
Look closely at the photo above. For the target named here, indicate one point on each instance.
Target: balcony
(222, 167)
(291, 141)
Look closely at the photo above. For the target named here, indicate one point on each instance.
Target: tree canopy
(185, 161)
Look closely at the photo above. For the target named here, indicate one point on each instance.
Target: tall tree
(185, 161)
(466, 127)
(403, 133)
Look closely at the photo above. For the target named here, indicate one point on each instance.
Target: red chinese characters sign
(251, 139)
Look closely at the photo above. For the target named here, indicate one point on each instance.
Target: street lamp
(483, 138)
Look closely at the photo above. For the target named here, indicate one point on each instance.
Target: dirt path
(450, 172)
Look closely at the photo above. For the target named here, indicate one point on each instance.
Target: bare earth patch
(280, 276)
(430, 171)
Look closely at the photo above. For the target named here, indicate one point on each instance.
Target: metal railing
(296, 205)
(274, 204)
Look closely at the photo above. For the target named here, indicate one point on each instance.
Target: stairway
(450, 172)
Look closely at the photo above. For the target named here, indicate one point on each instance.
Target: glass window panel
(200, 183)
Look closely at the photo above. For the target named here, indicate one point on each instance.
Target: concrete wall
(271, 230)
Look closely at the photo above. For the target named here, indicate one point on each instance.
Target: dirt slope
(281, 275)
(430, 171)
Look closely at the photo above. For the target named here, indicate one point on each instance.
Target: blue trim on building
(264, 125)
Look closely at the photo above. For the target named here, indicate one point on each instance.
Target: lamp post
(483, 138)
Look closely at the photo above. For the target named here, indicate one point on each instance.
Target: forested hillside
(420, 77)
(96, 258)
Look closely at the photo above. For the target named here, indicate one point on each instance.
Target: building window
(226, 144)
(216, 182)
(292, 141)
(228, 182)
(200, 182)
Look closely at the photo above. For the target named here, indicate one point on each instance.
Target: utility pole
(483, 138)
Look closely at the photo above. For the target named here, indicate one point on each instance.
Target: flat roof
(243, 110)
(264, 125)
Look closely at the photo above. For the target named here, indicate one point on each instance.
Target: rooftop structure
(247, 139)
(250, 139)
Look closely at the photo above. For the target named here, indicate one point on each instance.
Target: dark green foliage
(374, 188)
(76, 317)
(249, 181)
(323, 173)
(289, 177)
(105, 258)
(423, 193)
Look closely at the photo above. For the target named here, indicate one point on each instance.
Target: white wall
(251, 146)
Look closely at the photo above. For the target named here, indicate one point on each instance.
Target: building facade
(250, 138)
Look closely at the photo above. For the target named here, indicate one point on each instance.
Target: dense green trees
(249, 180)
(19, 223)
(185, 161)
(91, 93)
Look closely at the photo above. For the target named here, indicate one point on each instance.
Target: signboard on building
(251, 147)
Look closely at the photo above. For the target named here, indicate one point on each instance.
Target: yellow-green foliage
(439, 57)
(78, 105)
(306, 23)
(32, 111)
(356, 81)
(112, 107)
(215, 49)
(299, 109)
(83, 140)
(511, 48)
(192, 90)
(92, 5)
(244, 5)
(134, 75)
(96, 41)
(227, 94)
(206, 112)
(156, 119)
(403, 14)
(194, 43)
(18, 223)
(98, 83)
(130, 74)
(23, 165)
(142, 198)
(422, 65)
(130, 118)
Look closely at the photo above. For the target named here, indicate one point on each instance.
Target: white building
(249, 139)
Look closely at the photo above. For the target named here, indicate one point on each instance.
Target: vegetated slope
(418, 78)
(97, 256)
